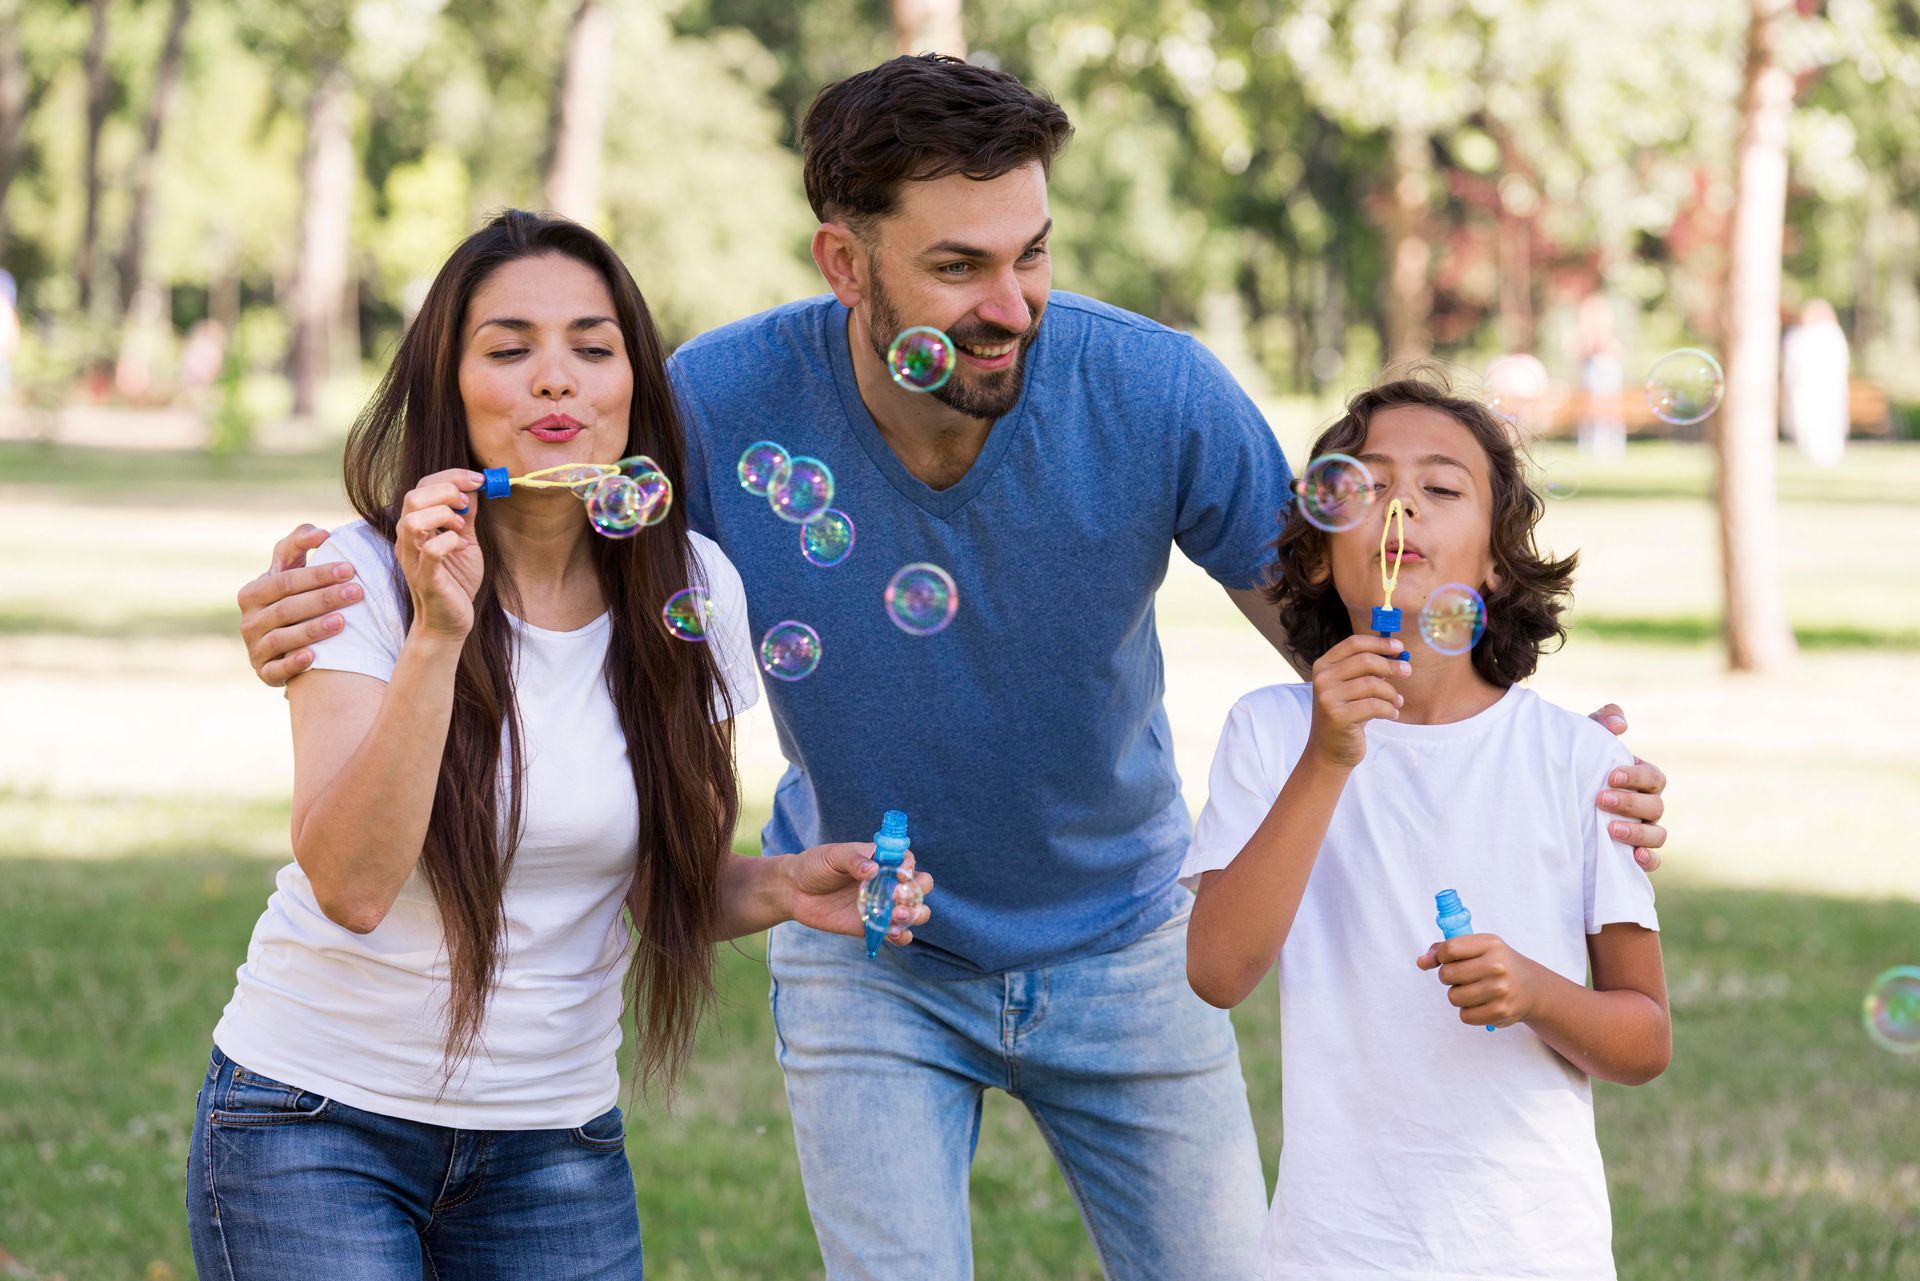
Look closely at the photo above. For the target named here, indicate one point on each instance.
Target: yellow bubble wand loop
(1386, 619)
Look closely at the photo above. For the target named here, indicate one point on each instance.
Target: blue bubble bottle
(1454, 919)
(876, 896)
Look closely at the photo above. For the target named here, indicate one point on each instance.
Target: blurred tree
(99, 86)
(1758, 636)
(132, 262)
(580, 114)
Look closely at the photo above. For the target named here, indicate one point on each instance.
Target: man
(1073, 447)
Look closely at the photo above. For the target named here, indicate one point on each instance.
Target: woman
(416, 1075)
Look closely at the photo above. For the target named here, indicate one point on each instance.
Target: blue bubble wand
(1454, 919)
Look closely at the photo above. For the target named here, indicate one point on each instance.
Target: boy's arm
(1617, 1030)
(1244, 911)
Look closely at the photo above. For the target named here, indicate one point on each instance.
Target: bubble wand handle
(876, 896)
(1453, 918)
(1386, 619)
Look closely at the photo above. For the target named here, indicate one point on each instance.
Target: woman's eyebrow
(527, 326)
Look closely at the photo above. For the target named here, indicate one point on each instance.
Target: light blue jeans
(1133, 1080)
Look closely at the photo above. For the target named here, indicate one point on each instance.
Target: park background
(219, 215)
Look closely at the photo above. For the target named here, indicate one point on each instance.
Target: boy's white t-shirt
(360, 1017)
(1416, 1145)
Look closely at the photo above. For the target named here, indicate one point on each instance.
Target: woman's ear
(1320, 568)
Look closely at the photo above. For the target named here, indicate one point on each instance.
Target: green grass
(1781, 1144)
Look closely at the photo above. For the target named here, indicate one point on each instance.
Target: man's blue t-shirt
(1027, 741)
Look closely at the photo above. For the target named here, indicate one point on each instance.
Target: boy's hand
(1487, 981)
(1352, 684)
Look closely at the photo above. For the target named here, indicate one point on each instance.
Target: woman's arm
(1618, 1030)
(366, 763)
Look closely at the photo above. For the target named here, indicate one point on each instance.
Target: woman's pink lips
(556, 431)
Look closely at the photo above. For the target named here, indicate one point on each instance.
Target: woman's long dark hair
(664, 690)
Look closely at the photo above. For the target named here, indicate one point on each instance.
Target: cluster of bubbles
(636, 497)
(920, 599)
(921, 358)
(1891, 1010)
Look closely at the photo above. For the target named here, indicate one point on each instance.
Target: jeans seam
(213, 1201)
(473, 1184)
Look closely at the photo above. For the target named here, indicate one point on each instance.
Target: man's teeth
(987, 353)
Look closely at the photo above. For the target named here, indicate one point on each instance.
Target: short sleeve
(1247, 776)
(697, 432)
(372, 631)
(1617, 889)
(731, 636)
(1233, 476)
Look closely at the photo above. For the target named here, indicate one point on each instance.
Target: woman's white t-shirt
(1416, 1145)
(361, 1017)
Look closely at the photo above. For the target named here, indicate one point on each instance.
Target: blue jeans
(1133, 1080)
(282, 1183)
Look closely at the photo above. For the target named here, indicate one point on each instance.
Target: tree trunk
(580, 114)
(1757, 632)
(928, 26)
(1410, 255)
(97, 85)
(320, 273)
(165, 76)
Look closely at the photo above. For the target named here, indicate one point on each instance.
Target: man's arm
(291, 606)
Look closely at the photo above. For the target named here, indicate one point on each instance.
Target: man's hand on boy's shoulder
(1633, 795)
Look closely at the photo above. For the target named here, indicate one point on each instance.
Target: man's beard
(986, 396)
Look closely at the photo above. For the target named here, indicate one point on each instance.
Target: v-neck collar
(941, 503)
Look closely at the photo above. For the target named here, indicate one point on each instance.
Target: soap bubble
(1892, 1010)
(880, 895)
(1335, 493)
(689, 613)
(804, 493)
(789, 651)
(616, 506)
(655, 490)
(763, 465)
(1559, 478)
(1515, 386)
(827, 540)
(922, 599)
(1453, 619)
(921, 359)
(1685, 386)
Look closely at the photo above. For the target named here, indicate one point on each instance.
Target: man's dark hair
(916, 118)
(1522, 614)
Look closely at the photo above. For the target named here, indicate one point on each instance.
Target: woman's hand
(824, 887)
(438, 553)
(1351, 686)
(1488, 982)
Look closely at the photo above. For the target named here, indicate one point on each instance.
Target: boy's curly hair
(1522, 615)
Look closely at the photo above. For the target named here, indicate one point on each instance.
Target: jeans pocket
(605, 1133)
(253, 1099)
